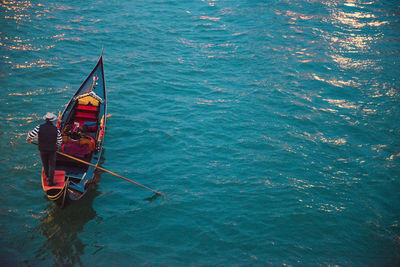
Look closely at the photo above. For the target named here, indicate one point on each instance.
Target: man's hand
(28, 140)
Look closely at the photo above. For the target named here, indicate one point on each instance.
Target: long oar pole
(102, 169)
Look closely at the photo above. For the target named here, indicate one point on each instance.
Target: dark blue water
(272, 126)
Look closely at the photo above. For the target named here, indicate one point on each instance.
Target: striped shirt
(35, 132)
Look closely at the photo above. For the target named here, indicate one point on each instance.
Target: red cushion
(76, 149)
(88, 108)
(85, 115)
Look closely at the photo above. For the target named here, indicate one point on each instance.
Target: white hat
(50, 116)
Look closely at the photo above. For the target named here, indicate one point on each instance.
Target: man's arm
(32, 134)
(59, 138)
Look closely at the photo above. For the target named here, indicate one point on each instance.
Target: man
(49, 138)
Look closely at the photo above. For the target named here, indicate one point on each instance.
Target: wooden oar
(102, 169)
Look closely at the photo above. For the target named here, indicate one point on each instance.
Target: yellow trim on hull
(53, 197)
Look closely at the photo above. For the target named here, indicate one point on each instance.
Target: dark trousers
(49, 164)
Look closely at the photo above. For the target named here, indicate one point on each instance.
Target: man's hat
(50, 117)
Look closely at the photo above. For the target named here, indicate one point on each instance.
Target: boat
(82, 125)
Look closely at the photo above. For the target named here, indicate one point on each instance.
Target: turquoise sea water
(272, 126)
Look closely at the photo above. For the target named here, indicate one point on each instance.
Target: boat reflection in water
(61, 228)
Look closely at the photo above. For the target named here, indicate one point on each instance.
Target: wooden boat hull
(82, 125)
